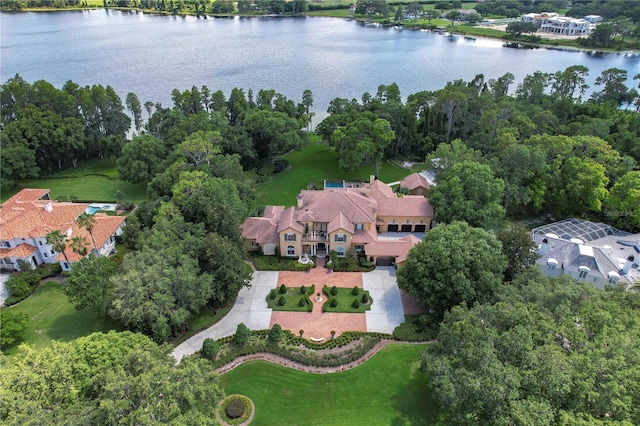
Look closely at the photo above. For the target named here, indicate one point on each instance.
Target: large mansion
(27, 218)
(349, 216)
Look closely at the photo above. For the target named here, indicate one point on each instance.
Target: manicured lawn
(292, 299)
(52, 317)
(85, 188)
(314, 163)
(275, 263)
(389, 389)
(345, 300)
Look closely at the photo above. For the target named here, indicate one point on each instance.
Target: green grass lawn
(292, 299)
(345, 300)
(52, 317)
(314, 163)
(86, 188)
(389, 389)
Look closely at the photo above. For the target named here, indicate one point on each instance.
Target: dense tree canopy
(454, 263)
(107, 379)
(551, 351)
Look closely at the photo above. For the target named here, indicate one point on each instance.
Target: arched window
(340, 250)
(291, 251)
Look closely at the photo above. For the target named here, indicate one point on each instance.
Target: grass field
(389, 389)
(314, 163)
(52, 317)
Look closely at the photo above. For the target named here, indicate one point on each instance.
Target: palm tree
(79, 245)
(87, 221)
(58, 240)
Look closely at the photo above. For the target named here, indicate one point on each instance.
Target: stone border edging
(276, 359)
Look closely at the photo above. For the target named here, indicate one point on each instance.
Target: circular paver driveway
(386, 312)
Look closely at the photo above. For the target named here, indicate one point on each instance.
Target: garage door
(392, 228)
(421, 228)
(385, 261)
(406, 227)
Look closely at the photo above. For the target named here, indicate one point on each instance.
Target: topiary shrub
(302, 302)
(235, 408)
(333, 303)
(242, 334)
(365, 298)
(275, 334)
(334, 290)
(303, 290)
(355, 304)
(355, 291)
(283, 289)
(273, 295)
(210, 348)
(282, 301)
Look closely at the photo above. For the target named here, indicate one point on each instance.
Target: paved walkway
(386, 312)
(250, 308)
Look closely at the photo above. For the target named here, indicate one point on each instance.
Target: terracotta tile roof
(289, 219)
(22, 216)
(22, 251)
(324, 206)
(340, 222)
(380, 190)
(413, 181)
(103, 228)
(263, 229)
(364, 236)
(407, 206)
(396, 248)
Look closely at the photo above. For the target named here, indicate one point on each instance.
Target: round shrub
(355, 291)
(365, 298)
(282, 301)
(210, 348)
(334, 290)
(303, 290)
(302, 302)
(275, 334)
(355, 304)
(334, 303)
(273, 295)
(235, 408)
(283, 289)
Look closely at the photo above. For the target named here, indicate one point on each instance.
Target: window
(40, 242)
(340, 250)
(6, 244)
(289, 237)
(291, 251)
(65, 266)
(254, 243)
(340, 238)
(359, 226)
(45, 254)
(359, 247)
(52, 251)
(583, 274)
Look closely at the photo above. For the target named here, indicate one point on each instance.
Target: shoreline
(553, 43)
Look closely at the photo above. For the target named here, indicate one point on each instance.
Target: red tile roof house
(27, 218)
(341, 219)
(416, 184)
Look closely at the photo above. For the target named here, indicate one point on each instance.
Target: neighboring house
(594, 19)
(552, 23)
(416, 183)
(27, 218)
(590, 252)
(339, 219)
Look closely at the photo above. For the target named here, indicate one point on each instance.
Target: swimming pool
(99, 207)
(334, 184)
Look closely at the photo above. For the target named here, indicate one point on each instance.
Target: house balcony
(319, 237)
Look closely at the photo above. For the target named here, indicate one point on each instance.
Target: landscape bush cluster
(291, 298)
(277, 263)
(351, 262)
(417, 328)
(353, 300)
(20, 285)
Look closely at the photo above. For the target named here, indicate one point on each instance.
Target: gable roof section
(413, 181)
(340, 222)
(263, 229)
(289, 219)
(324, 206)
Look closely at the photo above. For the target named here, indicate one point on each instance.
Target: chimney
(48, 207)
(372, 179)
(627, 266)
(543, 247)
(300, 199)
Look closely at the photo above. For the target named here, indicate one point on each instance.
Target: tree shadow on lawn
(70, 326)
(415, 403)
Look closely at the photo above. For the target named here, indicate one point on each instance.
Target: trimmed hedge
(292, 299)
(343, 300)
(22, 284)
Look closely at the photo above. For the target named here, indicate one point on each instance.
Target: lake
(151, 55)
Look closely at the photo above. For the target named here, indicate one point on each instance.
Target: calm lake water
(151, 55)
